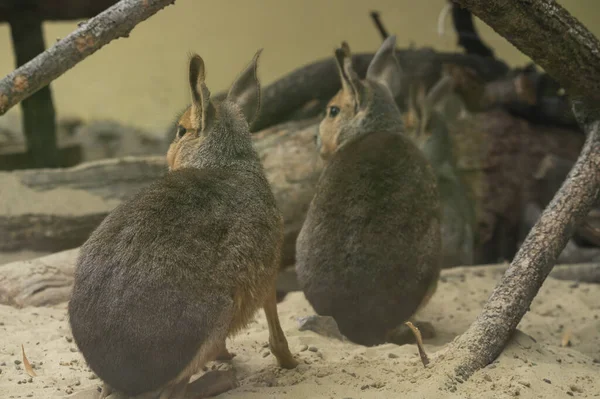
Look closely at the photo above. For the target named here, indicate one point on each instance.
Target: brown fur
(426, 123)
(368, 253)
(176, 269)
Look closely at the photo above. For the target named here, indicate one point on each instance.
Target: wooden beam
(39, 117)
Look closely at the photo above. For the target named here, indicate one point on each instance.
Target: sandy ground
(534, 365)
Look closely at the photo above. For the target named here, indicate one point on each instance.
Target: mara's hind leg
(428, 294)
(106, 390)
(223, 354)
(402, 334)
(175, 391)
(109, 393)
(212, 383)
(277, 341)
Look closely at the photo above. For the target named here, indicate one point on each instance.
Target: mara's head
(362, 106)
(209, 134)
(428, 115)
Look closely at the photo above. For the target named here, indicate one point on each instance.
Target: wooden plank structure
(26, 18)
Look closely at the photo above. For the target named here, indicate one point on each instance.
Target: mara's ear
(350, 80)
(439, 92)
(436, 95)
(414, 105)
(245, 91)
(411, 115)
(384, 67)
(201, 108)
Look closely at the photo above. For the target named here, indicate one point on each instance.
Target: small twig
(479, 95)
(382, 31)
(417, 333)
(26, 364)
(115, 22)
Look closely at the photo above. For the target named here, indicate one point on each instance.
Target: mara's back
(185, 263)
(373, 248)
(156, 278)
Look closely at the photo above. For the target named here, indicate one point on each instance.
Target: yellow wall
(141, 80)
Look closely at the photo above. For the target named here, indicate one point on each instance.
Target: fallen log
(317, 82)
(55, 10)
(291, 164)
(524, 92)
(578, 272)
(56, 209)
(496, 153)
(549, 176)
(304, 92)
(48, 280)
(38, 282)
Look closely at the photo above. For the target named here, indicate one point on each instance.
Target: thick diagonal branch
(486, 337)
(115, 22)
(573, 59)
(553, 38)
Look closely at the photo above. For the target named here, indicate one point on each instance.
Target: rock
(322, 325)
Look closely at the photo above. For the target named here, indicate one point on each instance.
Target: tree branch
(468, 38)
(574, 61)
(522, 92)
(486, 337)
(117, 21)
(573, 58)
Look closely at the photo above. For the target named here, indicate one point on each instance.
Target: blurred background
(511, 136)
(141, 80)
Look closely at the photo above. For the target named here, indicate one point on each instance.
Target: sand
(534, 365)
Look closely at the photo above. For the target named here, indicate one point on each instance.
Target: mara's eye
(180, 131)
(333, 111)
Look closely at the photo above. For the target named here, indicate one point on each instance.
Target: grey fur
(431, 135)
(164, 272)
(368, 253)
